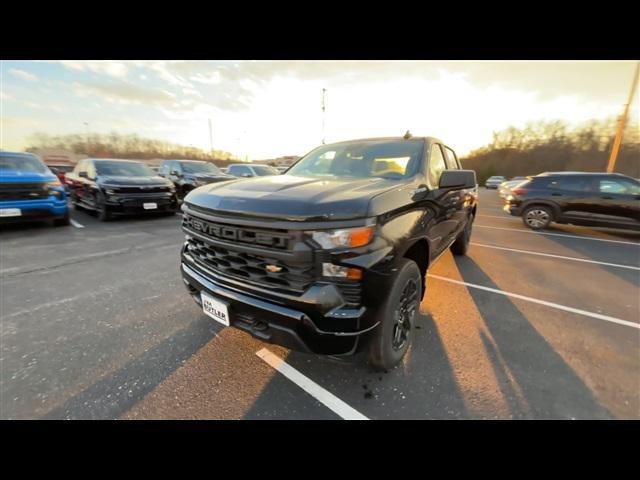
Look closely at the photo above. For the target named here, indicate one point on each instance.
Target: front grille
(291, 279)
(351, 292)
(23, 191)
(230, 261)
(141, 190)
(260, 237)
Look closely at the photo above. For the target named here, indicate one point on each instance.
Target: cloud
(5, 96)
(44, 106)
(125, 93)
(19, 122)
(192, 92)
(22, 75)
(102, 67)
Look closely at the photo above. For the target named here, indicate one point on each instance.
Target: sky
(267, 109)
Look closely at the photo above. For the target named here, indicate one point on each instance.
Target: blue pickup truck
(30, 191)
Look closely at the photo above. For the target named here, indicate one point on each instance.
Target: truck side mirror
(457, 179)
(83, 175)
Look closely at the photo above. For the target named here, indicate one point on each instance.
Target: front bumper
(307, 324)
(45, 208)
(512, 209)
(132, 205)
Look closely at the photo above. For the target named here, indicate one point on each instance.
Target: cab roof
(114, 160)
(386, 139)
(545, 174)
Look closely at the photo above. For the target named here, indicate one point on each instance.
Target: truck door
(446, 203)
(459, 198)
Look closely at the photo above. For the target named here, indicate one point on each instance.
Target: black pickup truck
(331, 257)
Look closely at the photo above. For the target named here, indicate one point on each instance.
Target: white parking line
(558, 235)
(575, 259)
(312, 388)
(557, 306)
(76, 224)
(504, 217)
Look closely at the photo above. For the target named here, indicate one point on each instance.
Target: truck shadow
(621, 253)
(422, 387)
(548, 386)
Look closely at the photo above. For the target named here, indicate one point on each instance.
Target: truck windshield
(22, 163)
(264, 170)
(199, 167)
(123, 169)
(391, 159)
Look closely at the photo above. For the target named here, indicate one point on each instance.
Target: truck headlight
(348, 237)
(55, 188)
(331, 270)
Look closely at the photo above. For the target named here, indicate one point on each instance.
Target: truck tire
(397, 315)
(461, 244)
(102, 211)
(537, 217)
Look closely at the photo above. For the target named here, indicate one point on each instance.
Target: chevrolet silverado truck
(331, 257)
(30, 191)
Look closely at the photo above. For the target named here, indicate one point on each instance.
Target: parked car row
(33, 190)
(494, 181)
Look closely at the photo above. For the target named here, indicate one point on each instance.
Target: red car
(60, 170)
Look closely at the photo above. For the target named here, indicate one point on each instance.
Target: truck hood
(133, 181)
(290, 197)
(17, 176)
(209, 177)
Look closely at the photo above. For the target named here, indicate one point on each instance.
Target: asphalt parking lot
(97, 324)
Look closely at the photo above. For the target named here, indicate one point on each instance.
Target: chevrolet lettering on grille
(238, 234)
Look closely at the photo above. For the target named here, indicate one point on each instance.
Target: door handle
(606, 197)
(556, 194)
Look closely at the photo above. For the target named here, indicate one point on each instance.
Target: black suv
(111, 187)
(331, 257)
(189, 174)
(578, 198)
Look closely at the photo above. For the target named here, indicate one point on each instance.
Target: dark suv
(189, 174)
(589, 199)
(117, 187)
(331, 257)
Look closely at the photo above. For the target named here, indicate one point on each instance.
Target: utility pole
(621, 123)
(324, 91)
(210, 137)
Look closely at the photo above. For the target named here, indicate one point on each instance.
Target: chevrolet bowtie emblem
(273, 268)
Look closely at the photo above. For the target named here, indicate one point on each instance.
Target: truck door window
(91, 171)
(81, 167)
(436, 166)
(452, 161)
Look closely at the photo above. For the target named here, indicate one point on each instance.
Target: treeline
(115, 145)
(552, 146)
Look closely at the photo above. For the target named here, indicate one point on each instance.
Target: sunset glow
(266, 109)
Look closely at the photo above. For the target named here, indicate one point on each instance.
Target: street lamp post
(324, 91)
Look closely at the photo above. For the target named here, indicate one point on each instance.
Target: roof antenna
(407, 135)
